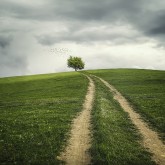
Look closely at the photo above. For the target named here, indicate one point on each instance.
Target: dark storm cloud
(88, 36)
(76, 10)
(15, 61)
(84, 22)
(11, 61)
(139, 13)
(11, 64)
(158, 27)
(89, 10)
(5, 41)
(71, 10)
(143, 15)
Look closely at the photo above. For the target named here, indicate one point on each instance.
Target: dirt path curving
(76, 153)
(151, 140)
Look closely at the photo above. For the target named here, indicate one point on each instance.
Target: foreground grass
(145, 89)
(115, 140)
(36, 113)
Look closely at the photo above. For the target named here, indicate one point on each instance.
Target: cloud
(143, 16)
(93, 34)
(107, 33)
(158, 27)
(12, 62)
(5, 41)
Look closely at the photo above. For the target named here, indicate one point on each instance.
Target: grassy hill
(145, 90)
(37, 111)
(115, 139)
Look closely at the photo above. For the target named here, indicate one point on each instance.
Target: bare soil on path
(76, 152)
(151, 140)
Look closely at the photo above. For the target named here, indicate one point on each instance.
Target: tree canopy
(76, 63)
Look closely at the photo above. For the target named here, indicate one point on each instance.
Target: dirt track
(151, 140)
(76, 153)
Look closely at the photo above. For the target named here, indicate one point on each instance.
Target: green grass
(115, 140)
(36, 113)
(145, 89)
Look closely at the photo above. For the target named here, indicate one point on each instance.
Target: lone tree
(76, 63)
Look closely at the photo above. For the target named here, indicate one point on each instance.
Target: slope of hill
(36, 114)
(145, 89)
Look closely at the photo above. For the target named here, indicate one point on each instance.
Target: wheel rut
(76, 152)
(150, 140)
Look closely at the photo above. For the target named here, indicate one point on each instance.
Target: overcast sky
(38, 36)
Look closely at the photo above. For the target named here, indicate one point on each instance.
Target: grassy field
(36, 112)
(115, 140)
(145, 89)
